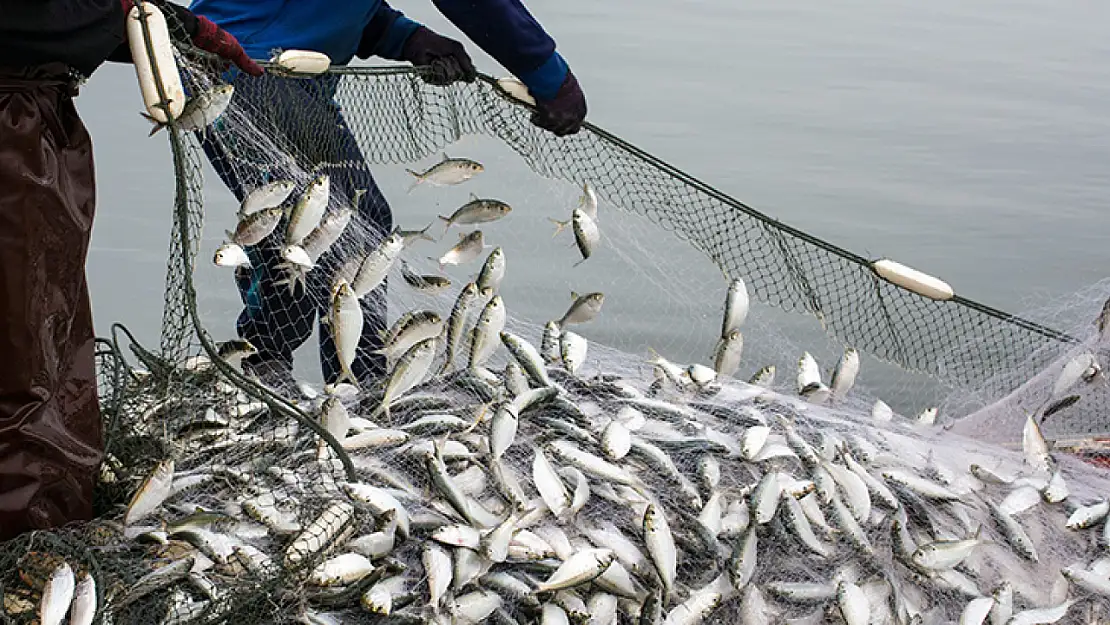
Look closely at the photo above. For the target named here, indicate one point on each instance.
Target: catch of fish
(498, 477)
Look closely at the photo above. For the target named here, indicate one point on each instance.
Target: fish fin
(415, 183)
(447, 219)
(559, 225)
(230, 235)
(574, 295)
(473, 197)
(579, 262)
(444, 155)
(157, 124)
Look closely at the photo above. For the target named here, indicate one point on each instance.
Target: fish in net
(535, 475)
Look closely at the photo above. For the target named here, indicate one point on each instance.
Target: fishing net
(598, 459)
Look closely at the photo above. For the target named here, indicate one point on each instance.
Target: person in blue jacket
(302, 117)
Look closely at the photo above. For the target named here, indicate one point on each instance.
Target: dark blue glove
(445, 60)
(563, 114)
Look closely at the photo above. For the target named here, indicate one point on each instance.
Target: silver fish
(584, 566)
(409, 330)
(765, 377)
(468, 248)
(231, 255)
(254, 227)
(409, 371)
(270, 195)
(485, 336)
(528, 358)
(375, 266)
(151, 493)
(588, 201)
(476, 211)
(296, 255)
(844, 375)
(586, 234)
(309, 210)
(502, 430)
(331, 227)
(83, 610)
(412, 236)
(726, 357)
(661, 547)
(1034, 446)
(493, 270)
(346, 323)
(585, 308)
(200, 110)
(572, 349)
(429, 284)
(945, 554)
(456, 322)
(343, 569)
(736, 306)
(549, 343)
(57, 595)
(449, 171)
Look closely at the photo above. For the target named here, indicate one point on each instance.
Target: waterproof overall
(50, 429)
(301, 117)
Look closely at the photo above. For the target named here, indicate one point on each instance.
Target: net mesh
(537, 479)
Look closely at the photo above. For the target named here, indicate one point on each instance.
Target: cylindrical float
(163, 63)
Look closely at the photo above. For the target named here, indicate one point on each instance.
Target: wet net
(548, 470)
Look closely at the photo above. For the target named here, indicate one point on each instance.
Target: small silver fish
(844, 375)
(269, 195)
(83, 610)
(409, 371)
(468, 248)
(412, 236)
(449, 171)
(231, 255)
(254, 227)
(588, 201)
(584, 309)
(57, 595)
(375, 266)
(661, 547)
(572, 349)
(726, 358)
(736, 306)
(151, 493)
(346, 322)
(765, 377)
(295, 254)
(485, 336)
(476, 211)
(456, 323)
(429, 284)
(586, 234)
(410, 329)
(200, 110)
(309, 210)
(493, 270)
(328, 232)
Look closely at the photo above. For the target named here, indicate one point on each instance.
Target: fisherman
(50, 431)
(302, 117)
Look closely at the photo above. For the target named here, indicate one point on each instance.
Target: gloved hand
(204, 34)
(563, 114)
(445, 59)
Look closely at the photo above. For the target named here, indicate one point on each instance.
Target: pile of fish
(496, 481)
(533, 494)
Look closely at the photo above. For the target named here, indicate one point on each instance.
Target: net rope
(703, 498)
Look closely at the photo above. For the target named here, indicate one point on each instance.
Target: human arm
(505, 30)
(198, 30)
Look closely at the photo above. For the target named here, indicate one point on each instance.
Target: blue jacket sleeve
(505, 30)
(386, 33)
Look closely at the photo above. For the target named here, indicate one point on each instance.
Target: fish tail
(157, 124)
(416, 182)
(559, 225)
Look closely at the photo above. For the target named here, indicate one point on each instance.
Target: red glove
(203, 33)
